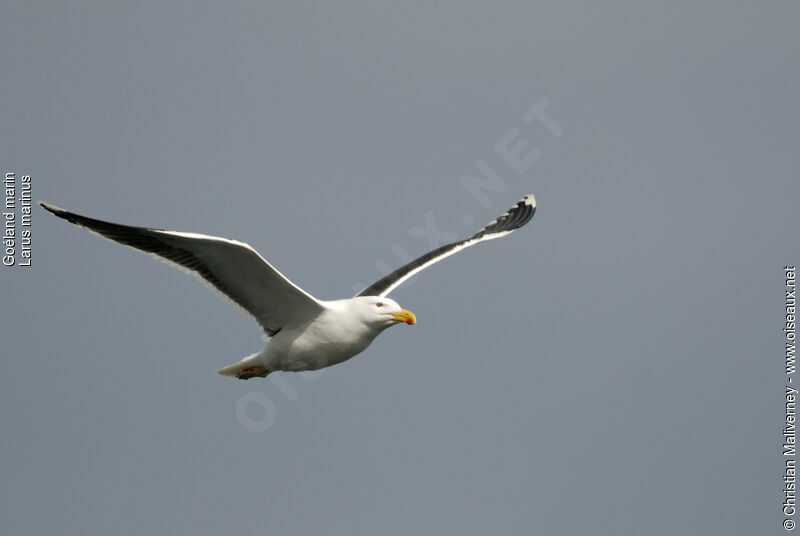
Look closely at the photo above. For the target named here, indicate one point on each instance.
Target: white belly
(326, 341)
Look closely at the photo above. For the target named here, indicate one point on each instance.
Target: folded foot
(254, 371)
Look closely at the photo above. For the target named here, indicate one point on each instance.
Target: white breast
(334, 336)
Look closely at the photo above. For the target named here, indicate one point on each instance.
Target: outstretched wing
(519, 215)
(232, 268)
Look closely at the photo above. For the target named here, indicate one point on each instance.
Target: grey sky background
(613, 368)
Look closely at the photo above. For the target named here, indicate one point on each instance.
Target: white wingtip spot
(529, 200)
(48, 206)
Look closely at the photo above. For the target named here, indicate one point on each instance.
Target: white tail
(249, 367)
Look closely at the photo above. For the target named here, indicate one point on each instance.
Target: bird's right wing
(232, 268)
(516, 217)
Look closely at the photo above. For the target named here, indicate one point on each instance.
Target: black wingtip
(50, 208)
(60, 212)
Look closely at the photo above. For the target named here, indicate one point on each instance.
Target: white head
(380, 312)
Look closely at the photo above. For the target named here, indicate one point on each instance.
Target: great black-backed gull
(304, 333)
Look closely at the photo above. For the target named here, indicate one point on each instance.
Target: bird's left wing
(516, 217)
(234, 269)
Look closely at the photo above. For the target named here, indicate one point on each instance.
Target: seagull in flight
(304, 333)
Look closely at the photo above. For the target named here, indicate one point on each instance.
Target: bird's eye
(379, 304)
